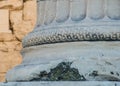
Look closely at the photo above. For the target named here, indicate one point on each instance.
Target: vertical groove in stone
(96, 9)
(113, 9)
(63, 10)
(78, 9)
(50, 11)
(40, 12)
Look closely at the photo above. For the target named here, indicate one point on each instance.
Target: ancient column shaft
(75, 20)
(77, 10)
(57, 11)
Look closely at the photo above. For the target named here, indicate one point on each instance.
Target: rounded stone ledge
(94, 60)
(71, 34)
(68, 83)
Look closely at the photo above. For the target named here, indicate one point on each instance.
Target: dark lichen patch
(62, 72)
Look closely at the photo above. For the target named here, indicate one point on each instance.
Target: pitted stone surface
(17, 18)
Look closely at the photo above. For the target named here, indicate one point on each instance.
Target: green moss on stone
(62, 72)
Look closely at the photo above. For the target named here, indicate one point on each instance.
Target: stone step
(62, 83)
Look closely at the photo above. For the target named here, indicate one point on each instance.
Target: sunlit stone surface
(84, 33)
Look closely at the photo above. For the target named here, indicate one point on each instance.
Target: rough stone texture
(17, 19)
(68, 83)
(12, 5)
(4, 24)
(28, 6)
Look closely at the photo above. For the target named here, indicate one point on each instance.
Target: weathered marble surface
(61, 28)
(68, 83)
(88, 57)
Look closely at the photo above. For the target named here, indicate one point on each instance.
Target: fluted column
(63, 19)
(96, 9)
(51, 11)
(82, 35)
(78, 10)
(113, 9)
